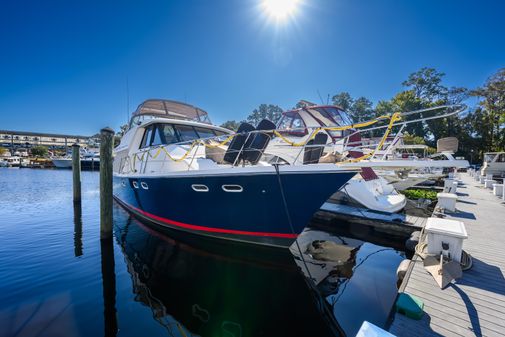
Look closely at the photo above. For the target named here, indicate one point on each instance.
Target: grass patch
(415, 194)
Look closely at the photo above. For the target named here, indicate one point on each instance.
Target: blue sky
(64, 64)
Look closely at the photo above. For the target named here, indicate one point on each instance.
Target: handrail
(395, 119)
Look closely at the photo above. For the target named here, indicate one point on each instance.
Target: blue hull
(256, 214)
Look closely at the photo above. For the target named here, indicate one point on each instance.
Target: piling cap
(106, 130)
(75, 145)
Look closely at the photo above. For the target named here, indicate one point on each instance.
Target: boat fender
(401, 271)
(412, 242)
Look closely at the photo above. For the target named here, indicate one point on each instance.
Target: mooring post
(76, 172)
(106, 143)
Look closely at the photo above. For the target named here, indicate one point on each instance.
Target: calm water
(57, 279)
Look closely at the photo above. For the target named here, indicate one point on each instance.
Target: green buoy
(409, 305)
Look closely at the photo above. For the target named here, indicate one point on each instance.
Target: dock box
(447, 201)
(451, 232)
(450, 185)
(498, 189)
(488, 183)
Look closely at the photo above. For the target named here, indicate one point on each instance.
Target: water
(57, 279)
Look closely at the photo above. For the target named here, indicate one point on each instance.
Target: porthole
(200, 188)
(232, 188)
(144, 185)
(135, 184)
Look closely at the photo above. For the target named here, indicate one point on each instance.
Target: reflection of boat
(163, 174)
(209, 294)
(494, 164)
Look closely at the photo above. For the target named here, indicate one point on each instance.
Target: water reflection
(357, 278)
(109, 287)
(77, 229)
(196, 292)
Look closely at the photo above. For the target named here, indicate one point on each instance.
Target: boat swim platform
(473, 305)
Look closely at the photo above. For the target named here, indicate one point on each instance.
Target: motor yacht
(178, 172)
(367, 188)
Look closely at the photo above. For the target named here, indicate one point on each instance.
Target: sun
(280, 9)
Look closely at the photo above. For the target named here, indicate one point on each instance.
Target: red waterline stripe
(209, 229)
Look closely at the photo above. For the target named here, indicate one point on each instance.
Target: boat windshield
(488, 157)
(292, 124)
(330, 116)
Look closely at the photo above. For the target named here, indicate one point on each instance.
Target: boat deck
(475, 304)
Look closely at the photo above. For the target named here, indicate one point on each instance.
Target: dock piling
(76, 172)
(106, 143)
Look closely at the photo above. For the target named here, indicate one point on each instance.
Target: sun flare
(280, 9)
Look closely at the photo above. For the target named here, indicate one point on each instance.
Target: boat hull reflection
(209, 294)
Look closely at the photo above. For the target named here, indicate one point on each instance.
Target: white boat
(176, 171)
(89, 161)
(62, 162)
(367, 188)
(494, 164)
(12, 161)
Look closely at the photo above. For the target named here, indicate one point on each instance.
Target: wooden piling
(76, 172)
(106, 144)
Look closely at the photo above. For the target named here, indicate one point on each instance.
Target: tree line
(480, 129)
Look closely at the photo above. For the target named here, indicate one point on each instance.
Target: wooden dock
(473, 305)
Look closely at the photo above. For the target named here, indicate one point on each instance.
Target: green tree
(362, 110)
(426, 84)
(491, 110)
(39, 151)
(231, 125)
(343, 100)
(269, 111)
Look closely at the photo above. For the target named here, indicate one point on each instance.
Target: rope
(393, 118)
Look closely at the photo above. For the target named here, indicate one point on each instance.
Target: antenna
(328, 99)
(319, 94)
(127, 101)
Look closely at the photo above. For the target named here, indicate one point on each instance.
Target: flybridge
(169, 109)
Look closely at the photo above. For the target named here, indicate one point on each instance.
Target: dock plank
(475, 304)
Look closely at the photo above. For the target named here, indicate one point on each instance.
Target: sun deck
(475, 304)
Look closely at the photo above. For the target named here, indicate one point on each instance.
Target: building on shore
(23, 139)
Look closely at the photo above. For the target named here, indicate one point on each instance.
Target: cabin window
(168, 134)
(186, 132)
(146, 141)
(157, 135)
(205, 133)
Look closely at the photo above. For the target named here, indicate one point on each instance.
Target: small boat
(12, 161)
(89, 161)
(178, 172)
(62, 162)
